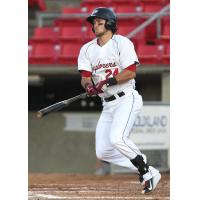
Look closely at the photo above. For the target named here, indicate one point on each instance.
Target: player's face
(99, 27)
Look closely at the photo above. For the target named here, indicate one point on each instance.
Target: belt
(111, 98)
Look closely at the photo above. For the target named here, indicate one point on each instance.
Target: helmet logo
(94, 12)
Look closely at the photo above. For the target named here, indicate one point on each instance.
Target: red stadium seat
(40, 53)
(89, 6)
(163, 2)
(127, 26)
(165, 35)
(70, 19)
(61, 43)
(125, 30)
(40, 3)
(126, 6)
(71, 10)
(119, 6)
(166, 55)
(151, 32)
(152, 8)
(77, 33)
(69, 53)
(166, 31)
(150, 54)
(31, 3)
(124, 2)
(108, 2)
(92, 1)
(152, 5)
(45, 34)
(79, 21)
(125, 9)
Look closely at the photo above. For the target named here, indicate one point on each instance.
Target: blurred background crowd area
(57, 29)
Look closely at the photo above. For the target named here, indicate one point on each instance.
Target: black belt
(111, 98)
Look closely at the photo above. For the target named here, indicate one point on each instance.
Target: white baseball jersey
(107, 61)
(113, 143)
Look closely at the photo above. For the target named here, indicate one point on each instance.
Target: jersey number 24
(109, 72)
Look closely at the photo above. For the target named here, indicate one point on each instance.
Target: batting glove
(103, 85)
(90, 89)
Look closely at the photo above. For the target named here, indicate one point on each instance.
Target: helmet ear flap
(111, 25)
(108, 24)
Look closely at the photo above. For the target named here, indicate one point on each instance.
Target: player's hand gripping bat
(59, 105)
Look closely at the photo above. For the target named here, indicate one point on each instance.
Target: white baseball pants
(113, 129)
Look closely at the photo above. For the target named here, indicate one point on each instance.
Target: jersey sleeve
(128, 55)
(83, 61)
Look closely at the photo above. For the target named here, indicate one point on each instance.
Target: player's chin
(98, 34)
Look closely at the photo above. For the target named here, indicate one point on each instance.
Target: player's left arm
(126, 75)
(128, 61)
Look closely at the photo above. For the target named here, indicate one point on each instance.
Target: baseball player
(108, 69)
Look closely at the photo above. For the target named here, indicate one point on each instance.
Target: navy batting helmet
(108, 15)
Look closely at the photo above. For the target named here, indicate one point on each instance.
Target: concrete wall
(51, 149)
(166, 87)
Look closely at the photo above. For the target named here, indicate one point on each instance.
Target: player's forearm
(125, 76)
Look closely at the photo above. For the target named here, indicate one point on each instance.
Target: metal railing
(149, 21)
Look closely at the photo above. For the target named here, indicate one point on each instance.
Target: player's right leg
(123, 120)
(105, 150)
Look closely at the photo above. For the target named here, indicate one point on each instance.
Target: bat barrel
(58, 106)
(54, 107)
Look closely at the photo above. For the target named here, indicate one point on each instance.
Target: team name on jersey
(106, 65)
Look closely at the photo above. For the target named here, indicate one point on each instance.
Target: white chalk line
(48, 196)
(78, 190)
(95, 197)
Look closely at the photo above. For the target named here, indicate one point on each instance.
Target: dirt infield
(79, 186)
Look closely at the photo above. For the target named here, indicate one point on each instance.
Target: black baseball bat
(59, 105)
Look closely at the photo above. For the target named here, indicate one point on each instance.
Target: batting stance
(108, 69)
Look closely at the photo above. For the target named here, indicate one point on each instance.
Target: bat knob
(39, 114)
